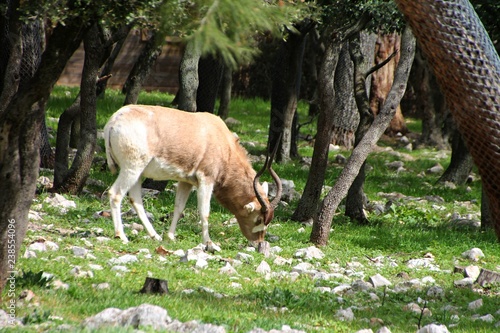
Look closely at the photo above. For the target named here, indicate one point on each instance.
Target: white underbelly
(161, 171)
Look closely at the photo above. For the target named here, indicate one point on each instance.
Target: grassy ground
(408, 231)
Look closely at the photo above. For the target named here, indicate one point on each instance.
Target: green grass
(408, 231)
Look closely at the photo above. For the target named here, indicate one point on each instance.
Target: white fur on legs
(135, 198)
(204, 194)
(117, 191)
(181, 197)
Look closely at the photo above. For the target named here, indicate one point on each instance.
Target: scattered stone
(102, 286)
(263, 268)
(228, 269)
(379, 281)
(232, 122)
(450, 185)
(119, 268)
(473, 254)
(312, 252)
(29, 254)
(79, 251)
(340, 159)
(303, 267)
(26, 295)
(487, 277)
(143, 315)
(280, 261)
(345, 314)
(79, 273)
(245, 257)
(123, 260)
(488, 318)
(395, 165)
(433, 328)
(360, 285)
(435, 292)
(201, 263)
(95, 267)
(475, 304)
(60, 202)
(465, 282)
(436, 169)
(43, 245)
(58, 284)
(472, 272)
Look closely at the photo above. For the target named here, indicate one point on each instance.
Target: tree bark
(142, 67)
(19, 132)
(322, 222)
(383, 80)
(210, 69)
(188, 77)
(356, 198)
(73, 180)
(308, 204)
(225, 96)
(460, 164)
(285, 91)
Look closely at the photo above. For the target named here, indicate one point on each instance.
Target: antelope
(195, 149)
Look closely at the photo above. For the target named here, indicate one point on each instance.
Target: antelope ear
(250, 207)
(265, 187)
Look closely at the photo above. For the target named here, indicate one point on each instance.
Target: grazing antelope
(195, 149)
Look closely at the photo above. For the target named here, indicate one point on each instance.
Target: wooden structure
(164, 76)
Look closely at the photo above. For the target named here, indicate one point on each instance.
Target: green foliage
(31, 279)
(36, 317)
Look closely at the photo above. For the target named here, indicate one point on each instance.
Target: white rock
(487, 318)
(244, 257)
(323, 289)
(275, 250)
(119, 268)
(428, 280)
(58, 284)
(435, 292)
(366, 330)
(312, 252)
(303, 267)
(379, 281)
(345, 314)
(236, 285)
(60, 202)
(179, 253)
(340, 289)
(384, 329)
(43, 246)
(472, 272)
(473, 254)
(228, 269)
(466, 282)
(95, 267)
(263, 268)
(433, 328)
(79, 251)
(201, 263)
(123, 260)
(102, 286)
(29, 254)
(475, 304)
(280, 261)
(144, 251)
(102, 239)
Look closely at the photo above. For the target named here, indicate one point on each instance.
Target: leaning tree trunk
(308, 204)
(142, 67)
(467, 68)
(383, 80)
(323, 221)
(19, 131)
(285, 90)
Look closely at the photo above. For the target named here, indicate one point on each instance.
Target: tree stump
(154, 286)
(487, 277)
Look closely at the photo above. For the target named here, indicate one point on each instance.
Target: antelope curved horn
(279, 187)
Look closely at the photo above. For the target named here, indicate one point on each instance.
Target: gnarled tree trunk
(467, 69)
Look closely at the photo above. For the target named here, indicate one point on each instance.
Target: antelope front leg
(204, 196)
(181, 197)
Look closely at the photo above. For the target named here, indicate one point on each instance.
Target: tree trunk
(142, 67)
(383, 80)
(308, 204)
(322, 222)
(285, 91)
(356, 198)
(19, 132)
(73, 180)
(430, 104)
(188, 77)
(210, 70)
(225, 96)
(486, 220)
(466, 66)
(460, 164)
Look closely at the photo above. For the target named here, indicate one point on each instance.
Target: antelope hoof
(122, 237)
(171, 236)
(211, 247)
(157, 237)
